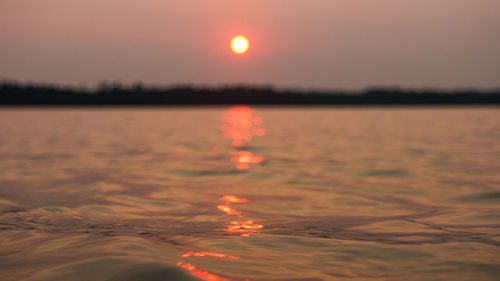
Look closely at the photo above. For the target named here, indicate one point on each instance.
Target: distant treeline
(12, 93)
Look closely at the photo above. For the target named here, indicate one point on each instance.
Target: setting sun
(239, 44)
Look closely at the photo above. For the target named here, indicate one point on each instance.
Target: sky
(321, 44)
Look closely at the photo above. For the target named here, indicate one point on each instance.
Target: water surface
(250, 194)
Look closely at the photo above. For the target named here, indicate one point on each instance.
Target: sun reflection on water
(210, 254)
(233, 199)
(242, 227)
(243, 159)
(229, 211)
(240, 125)
(205, 275)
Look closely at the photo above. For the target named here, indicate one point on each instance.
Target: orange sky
(308, 44)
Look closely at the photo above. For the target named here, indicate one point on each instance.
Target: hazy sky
(306, 43)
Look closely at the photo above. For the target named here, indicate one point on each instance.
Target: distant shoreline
(16, 94)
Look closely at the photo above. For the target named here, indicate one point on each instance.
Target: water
(250, 194)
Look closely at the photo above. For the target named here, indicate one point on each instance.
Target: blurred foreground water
(250, 194)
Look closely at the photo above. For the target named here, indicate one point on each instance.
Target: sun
(239, 44)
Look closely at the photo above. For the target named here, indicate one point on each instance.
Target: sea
(246, 193)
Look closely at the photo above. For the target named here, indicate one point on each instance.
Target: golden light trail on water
(241, 125)
(243, 228)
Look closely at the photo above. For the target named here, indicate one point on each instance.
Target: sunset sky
(348, 44)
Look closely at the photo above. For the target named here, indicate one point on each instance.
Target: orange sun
(239, 44)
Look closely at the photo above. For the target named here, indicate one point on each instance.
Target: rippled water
(250, 194)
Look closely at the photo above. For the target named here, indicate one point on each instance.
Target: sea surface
(240, 193)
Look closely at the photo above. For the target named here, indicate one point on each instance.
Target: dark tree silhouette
(12, 93)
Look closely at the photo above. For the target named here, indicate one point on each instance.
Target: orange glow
(239, 44)
(233, 199)
(229, 211)
(241, 166)
(259, 132)
(205, 275)
(237, 143)
(210, 254)
(246, 157)
(240, 125)
(244, 228)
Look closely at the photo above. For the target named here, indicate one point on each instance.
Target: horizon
(103, 85)
(140, 95)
